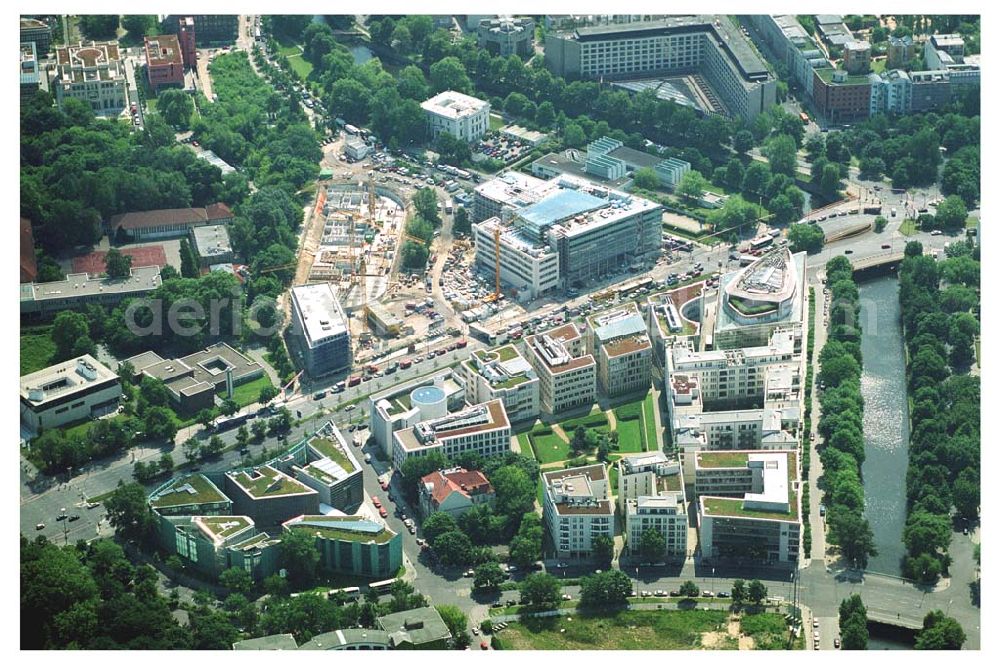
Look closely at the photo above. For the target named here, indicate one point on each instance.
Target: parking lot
(500, 148)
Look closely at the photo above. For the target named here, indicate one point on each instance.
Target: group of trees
(806, 238)
(608, 589)
(842, 407)
(753, 592)
(940, 326)
(853, 623)
(421, 227)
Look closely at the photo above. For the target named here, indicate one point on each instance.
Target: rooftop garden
(340, 534)
(225, 526)
(722, 459)
(259, 487)
(733, 507)
(826, 75)
(204, 492)
(748, 309)
(328, 448)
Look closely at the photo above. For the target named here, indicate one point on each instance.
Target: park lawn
(300, 65)
(908, 227)
(525, 443)
(768, 630)
(595, 420)
(649, 422)
(624, 630)
(496, 122)
(249, 392)
(37, 349)
(630, 434)
(549, 448)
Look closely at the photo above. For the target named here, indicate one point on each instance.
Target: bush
(543, 430)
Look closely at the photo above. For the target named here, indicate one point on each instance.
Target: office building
(331, 470)
(193, 495)
(577, 508)
(727, 69)
(901, 51)
(454, 491)
(755, 301)
(188, 42)
(352, 545)
(417, 629)
(211, 245)
(930, 90)
(664, 512)
(567, 376)
(622, 350)
(483, 429)
(507, 36)
(320, 337)
(509, 190)
(37, 31)
(840, 96)
(665, 320)
(33, 77)
(748, 506)
(412, 402)
(204, 540)
(610, 159)
(76, 390)
(349, 639)
(168, 223)
(273, 642)
(211, 30)
(269, 496)
(857, 57)
(164, 62)
(529, 268)
(79, 289)
(947, 53)
(93, 72)
(457, 114)
(502, 373)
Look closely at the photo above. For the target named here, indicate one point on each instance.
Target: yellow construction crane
(496, 252)
(372, 200)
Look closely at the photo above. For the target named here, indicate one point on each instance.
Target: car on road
(836, 642)
(674, 592)
(469, 573)
(60, 518)
(707, 594)
(74, 518)
(413, 529)
(567, 597)
(376, 502)
(39, 526)
(723, 595)
(92, 505)
(368, 458)
(886, 246)
(935, 232)
(815, 623)
(319, 394)
(815, 645)
(822, 513)
(475, 631)
(484, 645)
(383, 512)
(351, 407)
(384, 486)
(848, 251)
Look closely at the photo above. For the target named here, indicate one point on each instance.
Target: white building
(666, 513)
(621, 347)
(93, 73)
(578, 508)
(71, 391)
(527, 266)
(79, 289)
(457, 114)
(748, 505)
(412, 402)
(483, 429)
(502, 373)
(355, 148)
(319, 334)
(511, 190)
(567, 376)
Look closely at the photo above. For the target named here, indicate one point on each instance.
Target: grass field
(496, 122)
(301, 66)
(908, 227)
(625, 630)
(525, 443)
(549, 448)
(649, 422)
(768, 630)
(37, 349)
(249, 392)
(595, 420)
(630, 434)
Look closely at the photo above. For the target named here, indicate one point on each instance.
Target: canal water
(886, 423)
(361, 53)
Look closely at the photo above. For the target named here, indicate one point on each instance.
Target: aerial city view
(500, 332)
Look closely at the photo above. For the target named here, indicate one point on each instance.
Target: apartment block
(319, 337)
(410, 403)
(164, 62)
(901, 51)
(748, 506)
(666, 513)
(665, 320)
(502, 373)
(93, 72)
(352, 545)
(507, 36)
(483, 429)
(622, 350)
(68, 392)
(708, 45)
(567, 377)
(577, 509)
(458, 115)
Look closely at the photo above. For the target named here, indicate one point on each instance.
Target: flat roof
(76, 285)
(779, 470)
(190, 490)
(336, 639)
(212, 240)
(163, 50)
(319, 310)
(561, 205)
(274, 642)
(63, 379)
(494, 417)
(268, 483)
(418, 626)
(453, 105)
(218, 528)
(352, 528)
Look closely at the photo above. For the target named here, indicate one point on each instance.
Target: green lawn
(525, 443)
(301, 66)
(549, 448)
(649, 422)
(630, 434)
(768, 630)
(37, 349)
(496, 122)
(625, 630)
(613, 476)
(249, 392)
(595, 420)
(908, 227)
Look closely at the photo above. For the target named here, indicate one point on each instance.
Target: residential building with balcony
(502, 373)
(577, 508)
(667, 513)
(622, 350)
(567, 376)
(483, 429)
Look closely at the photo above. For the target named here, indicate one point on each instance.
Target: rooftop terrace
(192, 490)
(269, 482)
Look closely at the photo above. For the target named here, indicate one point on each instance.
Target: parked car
(708, 594)
(383, 512)
(39, 526)
(74, 518)
(836, 642)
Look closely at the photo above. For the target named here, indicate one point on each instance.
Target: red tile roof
(466, 483)
(131, 221)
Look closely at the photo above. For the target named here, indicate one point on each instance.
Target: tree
(692, 185)
(880, 223)
(452, 150)
(965, 494)
(926, 533)
(117, 264)
(236, 579)
(128, 512)
(688, 588)
(189, 264)
(853, 623)
(740, 592)
(192, 449)
(453, 548)
(849, 530)
(780, 151)
(488, 576)
(940, 632)
(138, 25)
(160, 422)
(545, 115)
(742, 141)
(526, 546)
(67, 329)
(437, 524)
(453, 618)
(924, 568)
(806, 238)
(611, 588)
(448, 74)
(462, 225)
(299, 556)
(540, 589)
(646, 178)
(829, 182)
(176, 108)
(573, 135)
(651, 544)
(756, 592)
(99, 26)
(603, 548)
(951, 214)
(258, 430)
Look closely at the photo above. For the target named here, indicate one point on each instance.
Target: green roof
(328, 448)
(722, 459)
(672, 482)
(204, 492)
(324, 526)
(507, 352)
(223, 527)
(259, 487)
(826, 74)
(719, 506)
